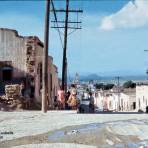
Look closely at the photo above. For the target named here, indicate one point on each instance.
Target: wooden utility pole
(65, 27)
(65, 88)
(64, 69)
(45, 60)
(147, 69)
(118, 89)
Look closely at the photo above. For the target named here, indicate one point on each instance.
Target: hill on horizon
(97, 77)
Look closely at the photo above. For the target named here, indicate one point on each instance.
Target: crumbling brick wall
(25, 55)
(30, 56)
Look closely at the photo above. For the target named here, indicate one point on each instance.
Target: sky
(111, 42)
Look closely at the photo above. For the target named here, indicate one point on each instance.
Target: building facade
(141, 96)
(21, 62)
(112, 101)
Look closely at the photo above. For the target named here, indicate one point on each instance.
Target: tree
(129, 84)
(108, 86)
(104, 86)
(87, 90)
(99, 86)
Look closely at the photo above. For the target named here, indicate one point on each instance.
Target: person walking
(91, 104)
(66, 99)
(72, 100)
(61, 99)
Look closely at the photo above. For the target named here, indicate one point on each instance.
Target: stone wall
(13, 48)
(24, 55)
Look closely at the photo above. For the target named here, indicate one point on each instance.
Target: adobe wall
(13, 48)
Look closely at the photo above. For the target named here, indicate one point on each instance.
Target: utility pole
(45, 59)
(147, 69)
(64, 69)
(65, 87)
(118, 91)
(66, 27)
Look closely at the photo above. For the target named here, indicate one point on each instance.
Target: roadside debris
(73, 132)
(12, 98)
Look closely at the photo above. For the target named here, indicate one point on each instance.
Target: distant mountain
(90, 77)
(109, 79)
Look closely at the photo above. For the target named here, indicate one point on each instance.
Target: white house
(141, 96)
(112, 101)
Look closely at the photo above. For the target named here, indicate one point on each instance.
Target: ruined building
(21, 62)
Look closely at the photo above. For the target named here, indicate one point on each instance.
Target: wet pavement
(100, 135)
(117, 134)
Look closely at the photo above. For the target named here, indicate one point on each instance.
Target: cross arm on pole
(70, 22)
(67, 27)
(71, 11)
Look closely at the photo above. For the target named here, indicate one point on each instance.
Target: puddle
(57, 135)
(79, 130)
(97, 133)
(90, 127)
(82, 129)
(132, 145)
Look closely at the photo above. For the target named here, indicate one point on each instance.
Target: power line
(56, 21)
(67, 26)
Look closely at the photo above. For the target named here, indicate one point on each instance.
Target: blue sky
(112, 41)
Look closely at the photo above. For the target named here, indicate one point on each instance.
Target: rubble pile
(12, 91)
(13, 98)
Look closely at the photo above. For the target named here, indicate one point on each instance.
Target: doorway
(7, 74)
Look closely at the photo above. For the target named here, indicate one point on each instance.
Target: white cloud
(132, 15)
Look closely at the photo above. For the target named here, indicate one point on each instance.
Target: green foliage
(87, 90)
(104, 86)
(99, 86)
(129, 84)
(108, 86)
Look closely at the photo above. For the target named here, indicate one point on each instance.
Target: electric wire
(56, 20)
